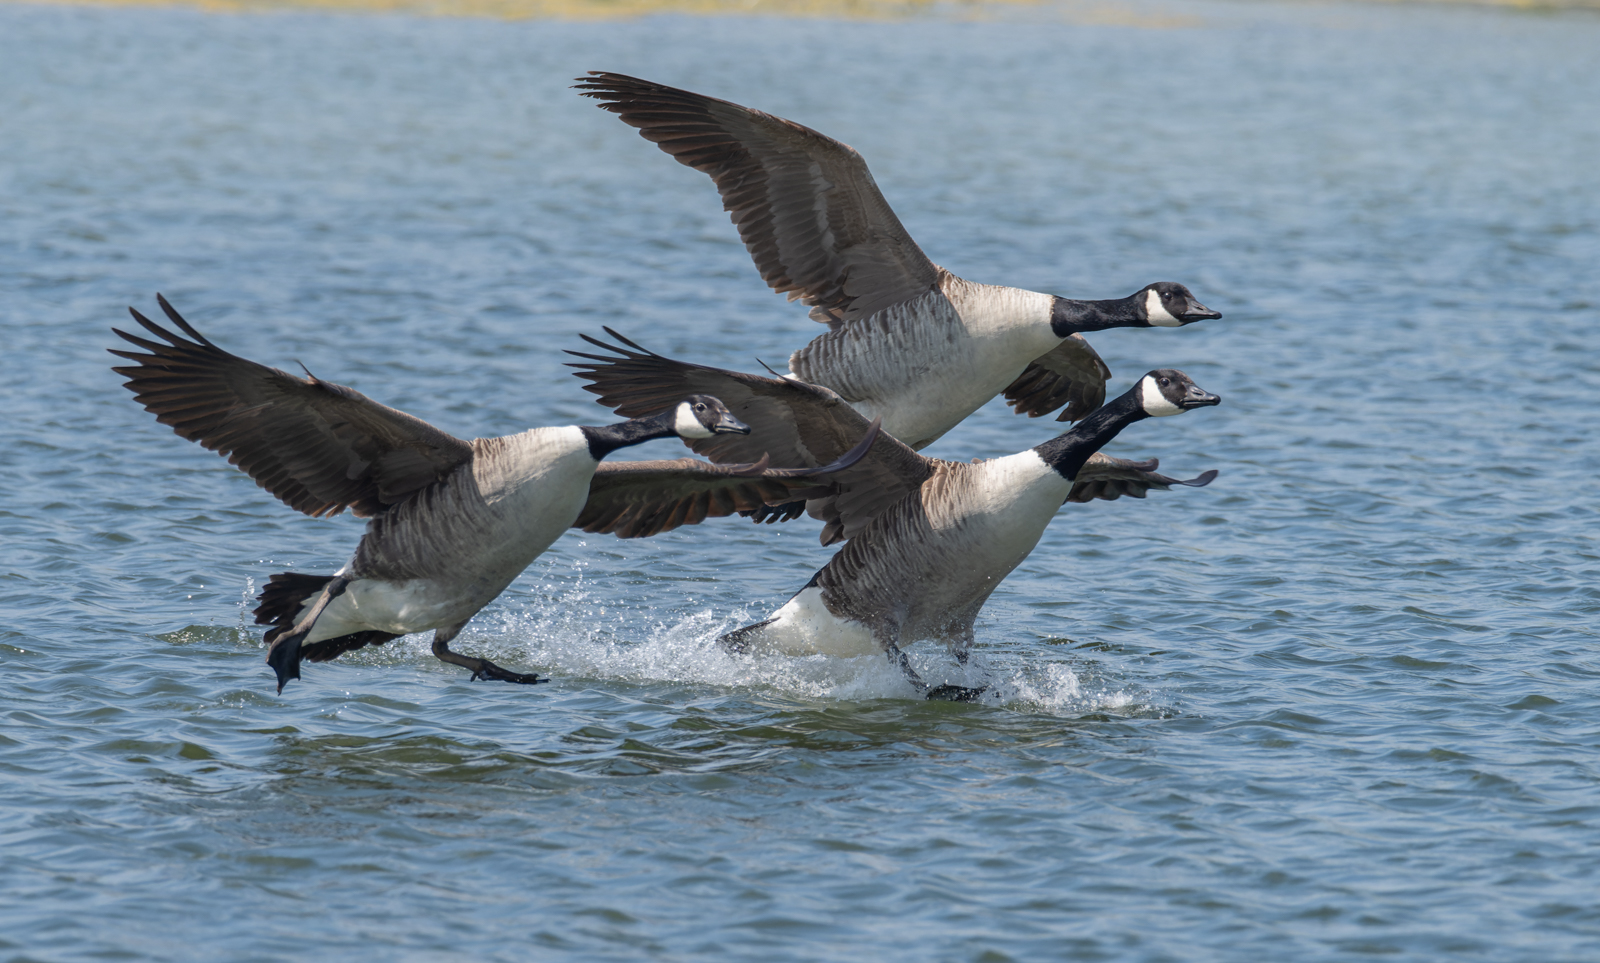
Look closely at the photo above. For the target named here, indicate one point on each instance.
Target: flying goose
(819, 230)
(804, 424)
(923, 565)
(453, 522)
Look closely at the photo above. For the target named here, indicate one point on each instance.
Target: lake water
(1343, 703)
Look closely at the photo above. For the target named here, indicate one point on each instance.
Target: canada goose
(930, 540)
(453, 521)
(818, 229)
(804, 424)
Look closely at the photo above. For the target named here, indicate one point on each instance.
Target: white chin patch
(1157, 312)
(1153, 401)
(687, 425)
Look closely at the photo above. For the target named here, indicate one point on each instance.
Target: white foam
(574, 635)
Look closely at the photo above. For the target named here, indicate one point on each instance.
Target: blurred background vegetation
(1086, 11)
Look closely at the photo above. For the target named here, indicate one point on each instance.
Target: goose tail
(738, 641)
(285, 594)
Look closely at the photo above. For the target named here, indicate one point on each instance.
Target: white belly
(922, 411)
(804, 626)
(415, 605)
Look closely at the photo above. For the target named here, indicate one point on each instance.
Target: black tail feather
(738, 641)
(283, 597)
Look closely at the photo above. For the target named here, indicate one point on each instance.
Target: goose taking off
(927, 549)
(805, 424)
(453, 521)
(819, 230)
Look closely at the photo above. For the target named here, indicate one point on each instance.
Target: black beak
(729, 425)
(1198, 312)
(1197, 397)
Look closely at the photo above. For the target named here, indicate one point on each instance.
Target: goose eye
(1166, 382)
(699, 407)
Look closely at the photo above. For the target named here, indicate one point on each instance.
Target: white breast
(926, 364)
(1021, 485)
(536, 487)
(1002, 508)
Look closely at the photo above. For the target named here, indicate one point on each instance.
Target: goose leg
(481, 668)
(960, 647)
(943, 693)
(899, 658)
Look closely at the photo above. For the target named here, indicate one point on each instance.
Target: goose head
(1168, 304)
(1167, 391)
(702, 416)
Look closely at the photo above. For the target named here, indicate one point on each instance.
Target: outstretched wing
(1071, 374)
(794, 422)
(1103, 476)
(805, 204)
(319, 447)
(636, 499)
(798, 423)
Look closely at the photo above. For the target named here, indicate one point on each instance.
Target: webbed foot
(488, 670)
(481, 668)
(955, 693)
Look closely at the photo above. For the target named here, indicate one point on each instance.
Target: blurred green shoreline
(1082, 11)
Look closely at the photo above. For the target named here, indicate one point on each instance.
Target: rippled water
(1342, 703)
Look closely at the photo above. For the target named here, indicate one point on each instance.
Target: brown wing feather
(318, 446)
(805, 204)
(1070, 374)
(642, 498)
(636, 499)
(1103, 476)
(633, 382)
(799, 423)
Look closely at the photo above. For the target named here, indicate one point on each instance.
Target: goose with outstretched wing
(806, 424)
(923, 565)
(927, 540)
(820, 231)
(453, 522)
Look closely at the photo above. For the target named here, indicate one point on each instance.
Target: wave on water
(1085, 11)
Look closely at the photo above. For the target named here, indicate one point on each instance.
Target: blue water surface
(1341, 704)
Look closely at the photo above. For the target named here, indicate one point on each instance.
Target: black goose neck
(1069, 317)
(605, 439)
(1067, 452)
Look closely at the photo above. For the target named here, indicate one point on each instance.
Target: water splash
(575, 635)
